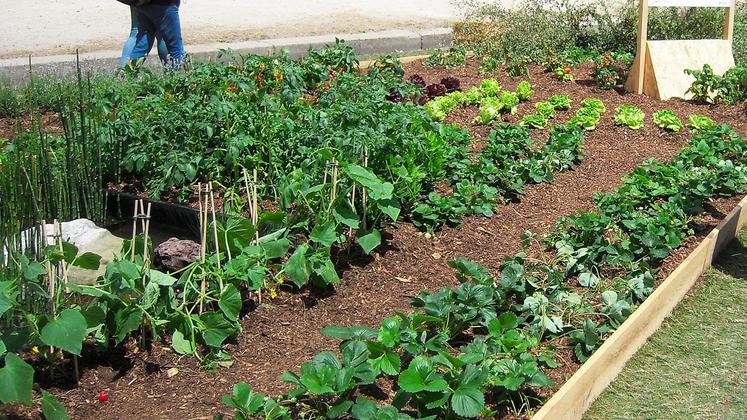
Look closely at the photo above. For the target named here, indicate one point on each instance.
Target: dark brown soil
(282, 333)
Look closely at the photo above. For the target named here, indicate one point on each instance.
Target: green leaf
(217, 329)
(277, 248)
(588, 279)
(52, 408)
(377, 189)
(161, 279)
(16, 380)
(88, 261)
(345, 215)
(370, 240)
(324, 233)
(389, 363)
(339, 410)
(390, 207)
(346, 333)
(468, 402)
(5, 304)
(230, 302)
(180, 344)
(66, 332)
(297, 266)
(389, 331)
(33, 270)
(420, 376)
(3, 349)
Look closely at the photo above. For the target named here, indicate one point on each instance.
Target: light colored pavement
(43, 27)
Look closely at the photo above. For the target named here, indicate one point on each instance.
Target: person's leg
(169, 29)
(163, 52)
(129, 44)
(146, 33)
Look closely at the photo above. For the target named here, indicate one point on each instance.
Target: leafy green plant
(667, 120)
(546, 109)
(630, 116)
(706, 85)
(490, 110)
(700, 122)
(524, 91)
(595, 104)
(454, 57)
(611, 69)
(534, 121)
(10, 103)
(560, 102)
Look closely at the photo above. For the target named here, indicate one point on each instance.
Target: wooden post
(729, 24)
(642, 40)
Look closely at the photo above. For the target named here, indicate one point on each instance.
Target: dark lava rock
(175, 254)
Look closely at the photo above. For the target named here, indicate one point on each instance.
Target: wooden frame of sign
(644, 68)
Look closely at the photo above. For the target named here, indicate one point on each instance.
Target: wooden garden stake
(326, 171)
(256, 209)
(203, 241)
(134, 230)
(334, 182)
(364, 195)
(146, 232)
(51, 289)
(215, 226)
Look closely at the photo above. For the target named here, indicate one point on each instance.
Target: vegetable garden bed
(283, 332)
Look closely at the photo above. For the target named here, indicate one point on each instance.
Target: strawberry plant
(630, 116)
(667, 120)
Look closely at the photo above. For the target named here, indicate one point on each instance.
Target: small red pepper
(103, 396)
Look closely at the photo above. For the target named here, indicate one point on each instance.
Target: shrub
(10, 103)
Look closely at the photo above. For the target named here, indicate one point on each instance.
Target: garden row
(466, 351)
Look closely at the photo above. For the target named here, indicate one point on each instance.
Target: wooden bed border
(576, 396)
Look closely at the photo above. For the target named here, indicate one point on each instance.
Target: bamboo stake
(334, 182)
(51, 289)
(215, 229)
(58, 234)
(326, 171)
(134, 231)
(364, 198)
(203, 240)
(256, 209)
(146, 254)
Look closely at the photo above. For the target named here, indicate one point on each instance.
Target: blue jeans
(129, 45)
(158, 20)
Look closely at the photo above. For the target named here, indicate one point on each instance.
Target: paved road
(45, 27)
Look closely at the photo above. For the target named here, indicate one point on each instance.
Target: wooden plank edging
(576, 396)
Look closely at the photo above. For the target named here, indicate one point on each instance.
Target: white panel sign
(689, 3)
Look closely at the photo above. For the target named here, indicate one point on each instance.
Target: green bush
(10, 103)
(535, 27)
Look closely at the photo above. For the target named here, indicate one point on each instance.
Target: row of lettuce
(484, 345)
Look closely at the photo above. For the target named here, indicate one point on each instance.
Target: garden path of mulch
(281, 334)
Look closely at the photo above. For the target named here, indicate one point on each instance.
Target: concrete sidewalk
(52, 27)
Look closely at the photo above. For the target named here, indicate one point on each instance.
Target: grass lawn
(695, 366)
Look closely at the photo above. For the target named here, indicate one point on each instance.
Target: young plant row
(632, 117)
(500, 172)
(465, 351)
(489, 95)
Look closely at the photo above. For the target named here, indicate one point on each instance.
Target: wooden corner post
(642, 40)
(729, 24)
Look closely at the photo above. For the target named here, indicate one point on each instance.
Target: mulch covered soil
(284, 332)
